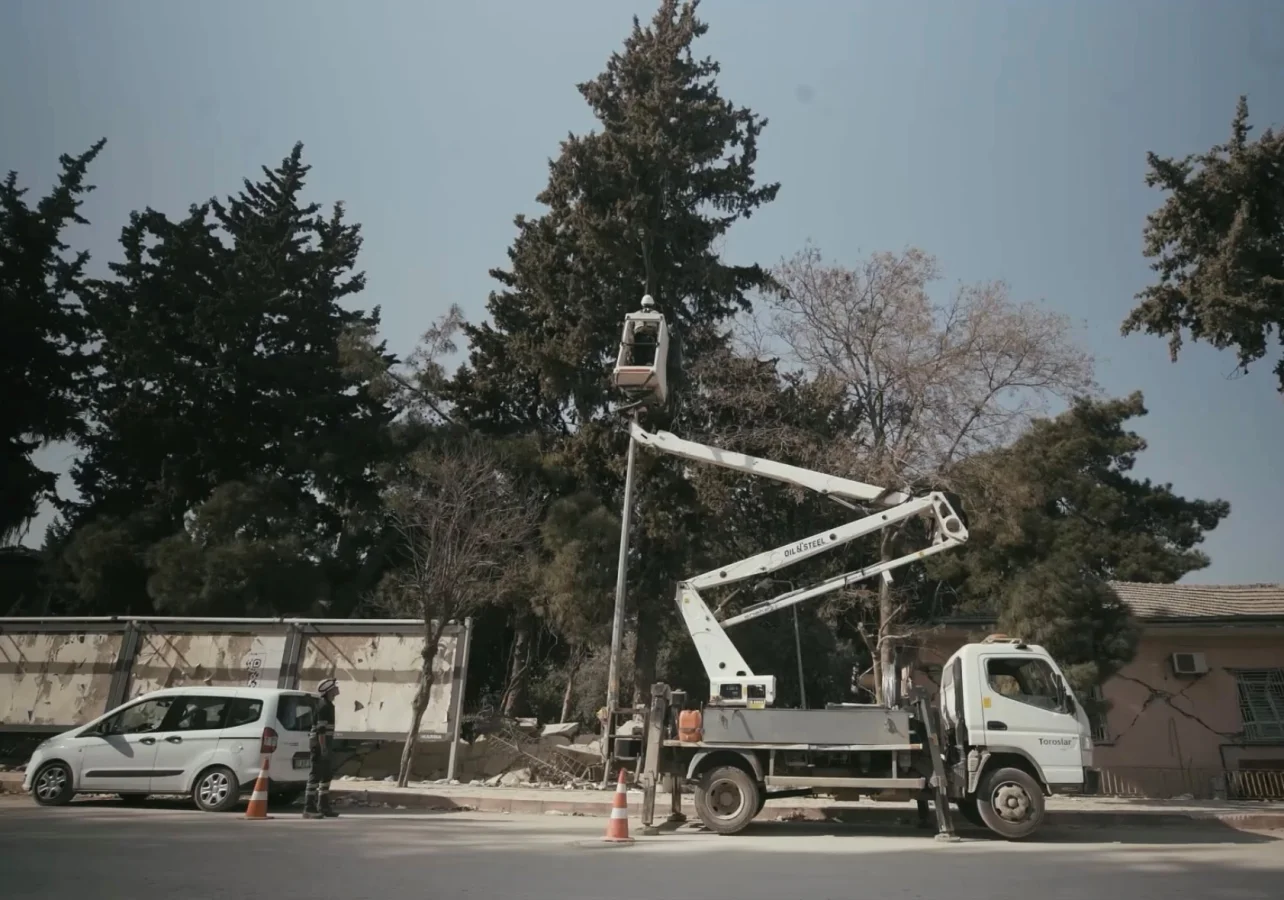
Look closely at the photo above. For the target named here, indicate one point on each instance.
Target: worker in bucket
(316, 803)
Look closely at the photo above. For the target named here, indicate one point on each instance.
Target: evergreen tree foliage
(1218, 247)
(44, 359)
(230, 453)
(639, 206)
(1058, 514)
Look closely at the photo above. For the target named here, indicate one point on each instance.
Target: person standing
(316, 803)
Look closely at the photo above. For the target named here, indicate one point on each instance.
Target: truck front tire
(1010, 803)
(727, 798)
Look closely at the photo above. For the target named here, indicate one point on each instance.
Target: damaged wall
(53, 679)
(59, 673)
(217, 660)
(378, 676)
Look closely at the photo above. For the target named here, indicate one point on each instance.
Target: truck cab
(1006, 708)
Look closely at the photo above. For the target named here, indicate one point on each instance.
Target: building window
(1261, 703)
(1097, 716)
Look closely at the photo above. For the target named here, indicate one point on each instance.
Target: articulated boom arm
(827, 485)
(730, 678)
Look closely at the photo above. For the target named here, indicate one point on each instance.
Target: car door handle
(147, 740)
(174, 739)
(995, 725)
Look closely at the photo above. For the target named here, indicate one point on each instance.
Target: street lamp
(641, 373)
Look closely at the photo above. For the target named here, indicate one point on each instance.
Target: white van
(207, 742)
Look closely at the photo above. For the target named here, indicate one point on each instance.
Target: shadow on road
(1209, 831)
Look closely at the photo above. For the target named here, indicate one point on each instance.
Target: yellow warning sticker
(985, 702)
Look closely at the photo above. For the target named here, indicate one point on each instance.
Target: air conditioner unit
(1189, 664)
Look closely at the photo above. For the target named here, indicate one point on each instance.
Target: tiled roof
(1202, 601)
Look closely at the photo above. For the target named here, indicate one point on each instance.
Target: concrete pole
(802, 688)
(617, 623)
(460, 688)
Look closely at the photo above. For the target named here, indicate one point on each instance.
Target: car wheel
(726, 799)
(134, 799)
(1010, 803)
(52, 785)
(216, 789)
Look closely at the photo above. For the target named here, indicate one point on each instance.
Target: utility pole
(802, 688)
(617, 622)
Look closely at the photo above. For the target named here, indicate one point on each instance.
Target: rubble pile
(552, 755)
(495, 751)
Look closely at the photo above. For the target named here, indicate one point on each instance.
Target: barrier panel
(57, 673)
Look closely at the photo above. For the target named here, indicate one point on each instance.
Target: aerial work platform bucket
(641, 368)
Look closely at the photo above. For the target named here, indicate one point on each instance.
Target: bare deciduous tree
(928, 383)
(464, 529)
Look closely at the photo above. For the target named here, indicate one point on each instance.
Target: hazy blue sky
(1008, 138)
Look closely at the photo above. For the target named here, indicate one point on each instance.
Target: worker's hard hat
(327, 685)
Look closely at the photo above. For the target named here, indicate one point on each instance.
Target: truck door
(1024, 709)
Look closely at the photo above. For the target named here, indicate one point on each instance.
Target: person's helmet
(326, 686)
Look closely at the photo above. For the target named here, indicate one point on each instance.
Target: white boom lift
(640, 372)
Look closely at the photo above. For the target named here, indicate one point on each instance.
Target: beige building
(1200, 709)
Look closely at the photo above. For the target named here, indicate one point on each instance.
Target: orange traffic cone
(617, 828)
(258, 808)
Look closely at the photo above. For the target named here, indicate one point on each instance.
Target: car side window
(200, 713)
(244, 711)
(139, 718)
(295, 712)
(1024, 680)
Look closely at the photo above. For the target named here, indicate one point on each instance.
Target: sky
(1006, 138)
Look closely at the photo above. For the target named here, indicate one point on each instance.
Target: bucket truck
(1004, 732)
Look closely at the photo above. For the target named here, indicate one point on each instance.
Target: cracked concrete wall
(378, 676)
(216, 660)
(55, 679)
(1159, 720)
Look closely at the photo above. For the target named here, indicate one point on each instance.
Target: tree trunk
(417, 708)
(569, 694)
(515, 693)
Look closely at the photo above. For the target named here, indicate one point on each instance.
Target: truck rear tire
(727, 799)
(1010, 802)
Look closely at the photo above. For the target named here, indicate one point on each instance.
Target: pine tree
(231, 453)
(43, 354)
(639, 206)
(1057, 515)
(1218, 247)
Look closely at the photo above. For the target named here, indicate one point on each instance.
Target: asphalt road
(107, 851)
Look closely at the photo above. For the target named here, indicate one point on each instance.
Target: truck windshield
(1024, 679)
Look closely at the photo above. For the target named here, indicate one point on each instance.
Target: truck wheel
(1010, 803)
(968, 810)
(727, 799)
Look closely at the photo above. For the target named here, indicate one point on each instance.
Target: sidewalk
(1085, 812)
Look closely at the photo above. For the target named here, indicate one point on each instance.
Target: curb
(10, 782)
(1242, 821)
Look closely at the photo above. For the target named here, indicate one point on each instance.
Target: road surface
(107, 851)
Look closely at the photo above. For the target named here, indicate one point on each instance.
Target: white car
(206, 742)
